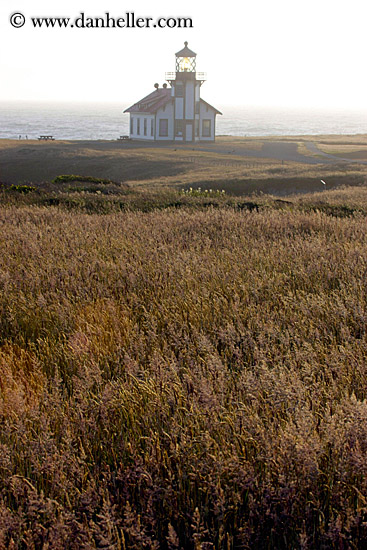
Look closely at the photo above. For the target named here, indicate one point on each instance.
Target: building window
(197, 107)
(138, 128)
(145, 126)
(197, 127)
(207, 128)
(163, 127)
(151, 127)
(131, 125)
(179, 128)
(179, 89)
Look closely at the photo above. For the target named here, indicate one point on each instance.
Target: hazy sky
(255, 52)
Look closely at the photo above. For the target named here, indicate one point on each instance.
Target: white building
(177, 113)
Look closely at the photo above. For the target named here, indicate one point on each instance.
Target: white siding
(207, 113)
(179, 107)
(169, 114)
(190, 100)
(197, 115)
(141, 116)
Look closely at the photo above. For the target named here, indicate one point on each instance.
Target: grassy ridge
(229, 162)
(191, 378)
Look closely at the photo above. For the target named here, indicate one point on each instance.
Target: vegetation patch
(278, 186)
(82, 179)
(23, 189)
(248, 205)
(199, 192)
(339, 210)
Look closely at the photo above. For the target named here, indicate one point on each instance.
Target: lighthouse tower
(185, 84)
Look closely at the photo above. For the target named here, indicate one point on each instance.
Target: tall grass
(182, 379)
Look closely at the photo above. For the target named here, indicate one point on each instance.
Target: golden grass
(21, 382)
(190, 378)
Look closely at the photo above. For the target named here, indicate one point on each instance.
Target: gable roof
(157, 99)
(152, 102)
(211, 107)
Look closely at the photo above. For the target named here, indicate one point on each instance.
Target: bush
(24, 189)
(81, 179)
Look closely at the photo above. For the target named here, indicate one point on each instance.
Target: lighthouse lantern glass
(185, 64)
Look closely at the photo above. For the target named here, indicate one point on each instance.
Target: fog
(284, 53)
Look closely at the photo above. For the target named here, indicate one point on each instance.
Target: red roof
(152, 102)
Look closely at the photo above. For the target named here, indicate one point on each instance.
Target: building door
(189, 131)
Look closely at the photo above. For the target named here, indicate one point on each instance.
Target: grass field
(184, 369)
(229, 163)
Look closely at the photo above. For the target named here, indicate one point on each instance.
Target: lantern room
(185, 60)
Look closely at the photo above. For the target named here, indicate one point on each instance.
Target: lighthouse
(177, 113)
(185, 85)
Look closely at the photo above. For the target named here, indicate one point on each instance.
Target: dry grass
(190, 378)
(343, 196)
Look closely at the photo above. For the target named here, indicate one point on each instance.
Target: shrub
(81, 179)
(24, 189)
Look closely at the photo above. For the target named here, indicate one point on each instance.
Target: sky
(255, 52)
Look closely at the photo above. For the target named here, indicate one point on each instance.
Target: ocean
(107, 121)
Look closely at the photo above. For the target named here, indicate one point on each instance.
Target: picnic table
(46, 138)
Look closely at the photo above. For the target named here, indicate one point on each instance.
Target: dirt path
(312, 147)
(278, 150)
